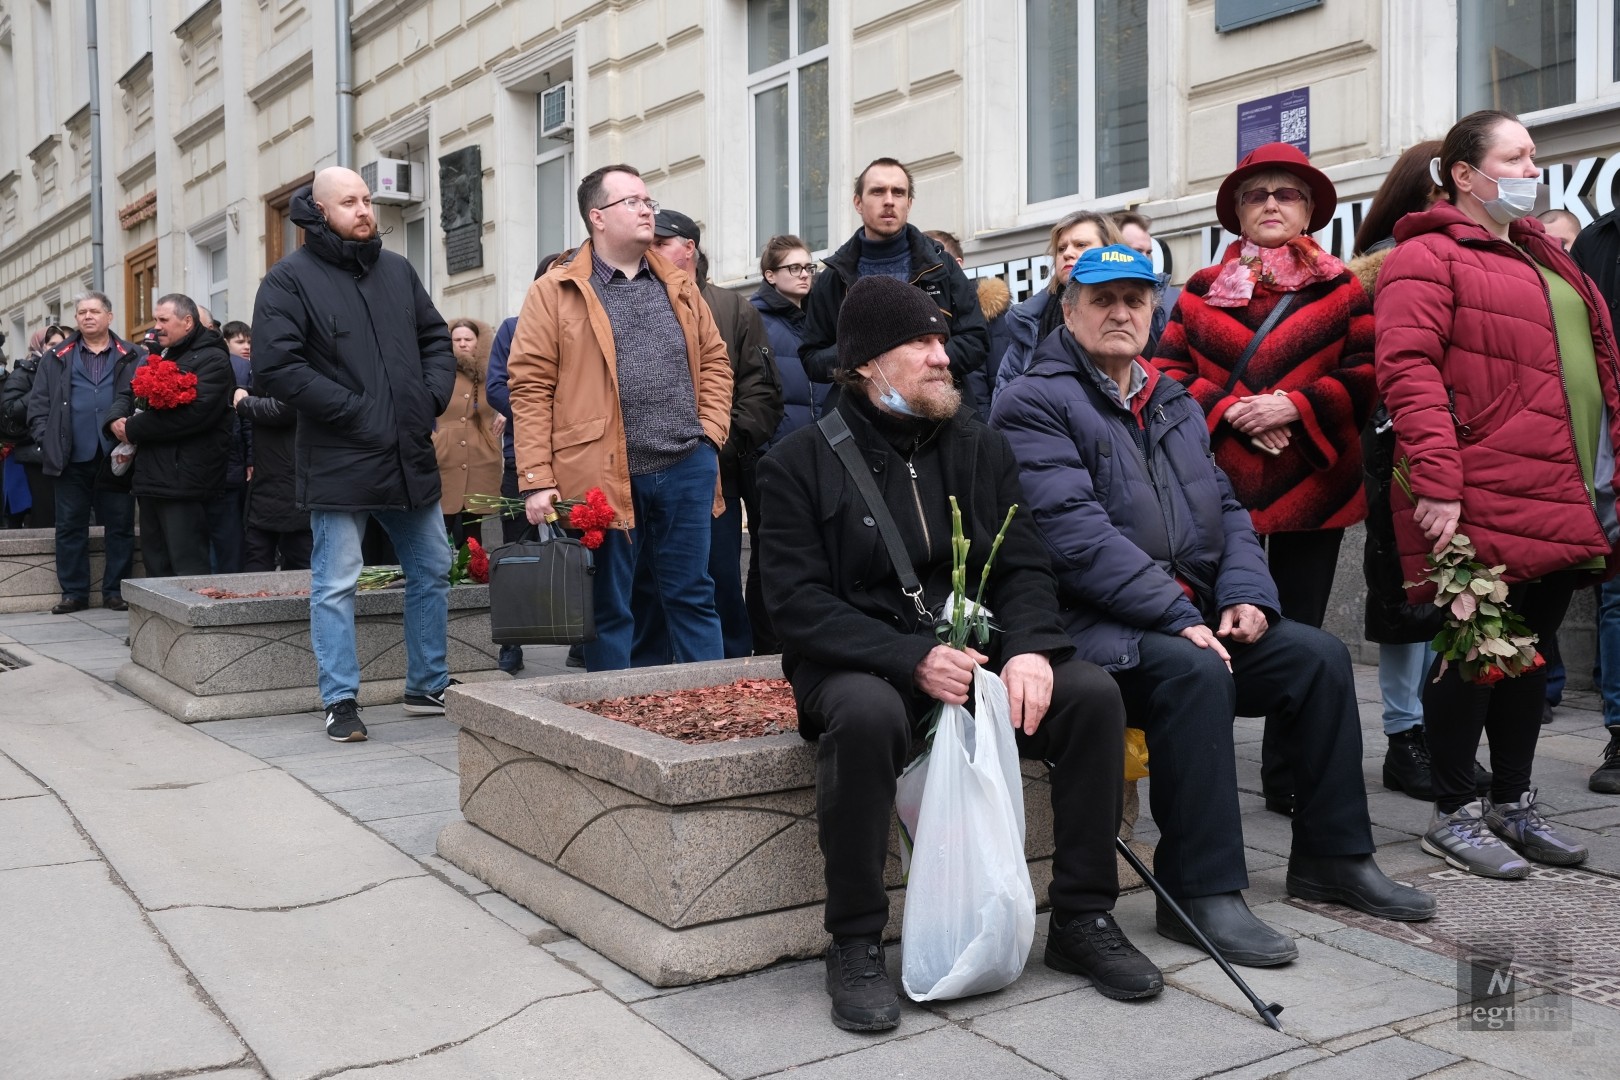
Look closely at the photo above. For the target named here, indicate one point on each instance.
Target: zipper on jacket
(916, 497)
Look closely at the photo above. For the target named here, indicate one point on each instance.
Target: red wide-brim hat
(1324, 198)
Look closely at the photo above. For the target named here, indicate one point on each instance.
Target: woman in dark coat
(1285, 417)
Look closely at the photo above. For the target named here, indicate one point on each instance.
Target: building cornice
(79, 207)
(46, 145)
(141, 67)
(140, 170)
(199, 129)
(536, 60)
(278, 82)
(379, 15)
(197, 20)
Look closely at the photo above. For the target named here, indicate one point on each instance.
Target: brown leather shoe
(69, 605)
(114, 602)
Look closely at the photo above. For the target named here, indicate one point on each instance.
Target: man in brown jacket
(620, 380)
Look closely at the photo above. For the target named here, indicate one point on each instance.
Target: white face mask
(1516, 197)
(890, 397)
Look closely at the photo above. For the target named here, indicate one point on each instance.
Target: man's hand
(1262, 412)
(117, 428)
(1028, 677)
(1243, 623)
(946, 674)
(538, 505)
(1438, 520)
(250, 473)
(498, 425)
(1203, 637)
(236, 398)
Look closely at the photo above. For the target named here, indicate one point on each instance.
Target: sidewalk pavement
(247, 899)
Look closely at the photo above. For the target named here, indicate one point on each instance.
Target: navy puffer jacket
(803, 401)
(1126, 512)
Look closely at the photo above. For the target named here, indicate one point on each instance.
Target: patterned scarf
(1289, 268)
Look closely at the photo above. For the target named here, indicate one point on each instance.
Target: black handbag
(540, 590)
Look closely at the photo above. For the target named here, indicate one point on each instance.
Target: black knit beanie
(880, 313)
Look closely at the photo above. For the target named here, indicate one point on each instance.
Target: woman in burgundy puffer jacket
(1498, 364)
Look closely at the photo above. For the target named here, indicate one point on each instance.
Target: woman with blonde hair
(466, 438)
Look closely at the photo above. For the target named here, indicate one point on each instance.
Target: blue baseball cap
(1116, 262)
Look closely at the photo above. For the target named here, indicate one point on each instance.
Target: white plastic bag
(970, 908)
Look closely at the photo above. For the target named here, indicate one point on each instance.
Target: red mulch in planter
(262, 594)
(745, 709)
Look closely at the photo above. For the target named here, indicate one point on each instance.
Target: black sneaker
(1097, 948)
(863, 998)
(1406, 764)
(511, 659)
(343, 722)
(1606, 779)
(428, 704)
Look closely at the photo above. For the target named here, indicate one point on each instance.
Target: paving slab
(416, 728)
(1386, 1059)
(1325, 993)
(947, 1053)
(1427, 965)
(56, 630)
(88, 990)
(513, 914)
(768, 1021)
(16, 784)
(415, 834)
(1587, 1051)
(329, 776)
(1273, 1066)
(39, 832)
(424, 965)
(624, 985)
(1085, 1034)
(255, 726)
(401, 800)
(454, 875)
(582, 1037)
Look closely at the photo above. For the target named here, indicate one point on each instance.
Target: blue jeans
(424, 554)
(76, 494)
(1401, 671)
(725, 568)
(672, 509)
(1608, 634)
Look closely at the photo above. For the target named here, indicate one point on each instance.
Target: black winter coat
(14, 390)
(933, 271)
(1597, 252)
(830, 588)
(272, 504)
(344, 333)
(50, 417)
(756, 392)
(181, 453)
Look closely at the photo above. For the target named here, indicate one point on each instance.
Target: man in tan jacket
(620, 380)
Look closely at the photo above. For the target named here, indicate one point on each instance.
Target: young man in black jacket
(867, 667)
(886, 245)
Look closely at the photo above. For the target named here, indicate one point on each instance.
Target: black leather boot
(1231, 927)
(1356, 881)
(1406, 764)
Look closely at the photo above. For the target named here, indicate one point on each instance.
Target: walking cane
(1268, 1013)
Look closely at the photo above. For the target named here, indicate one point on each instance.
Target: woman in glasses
(1498, 365)
(1276, 344)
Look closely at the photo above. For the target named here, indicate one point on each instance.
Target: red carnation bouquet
(158, 384)
(590, 516)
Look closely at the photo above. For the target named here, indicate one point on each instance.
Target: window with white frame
(790, 120)
(10, 152)
(1086, 98)
(42, 90)
(1528, 58)
(140, 29)
(417, 247)
(217, 274)
(555, 207)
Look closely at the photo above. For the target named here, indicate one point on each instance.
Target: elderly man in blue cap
(1164, 584)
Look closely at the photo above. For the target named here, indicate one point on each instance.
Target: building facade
(475, 119)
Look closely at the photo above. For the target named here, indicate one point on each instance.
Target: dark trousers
(1302, 566)
(79, 490)
(759, 620)
(226, 525)
(651, 646)
(1183, 699)
(1456, 712)
(460, 526)
(42, 489)
(261, 547)
(866, 731)
(512, 525)
(174, 536)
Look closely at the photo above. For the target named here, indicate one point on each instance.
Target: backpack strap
(843, 445)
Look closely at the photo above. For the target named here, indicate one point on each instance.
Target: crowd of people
(1184, 463)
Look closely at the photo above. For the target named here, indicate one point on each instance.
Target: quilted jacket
(1468, 365)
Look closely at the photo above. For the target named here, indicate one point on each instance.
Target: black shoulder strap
(1259, 336)
(842, 442)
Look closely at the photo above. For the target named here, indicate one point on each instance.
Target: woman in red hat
(1498, 364)
(1276, 344)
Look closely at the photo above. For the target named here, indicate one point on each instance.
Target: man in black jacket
(344, 333)
(180, 450)
(866, 665)
(886, 245)
(74, 387)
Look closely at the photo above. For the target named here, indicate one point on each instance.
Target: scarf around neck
(1288, 268)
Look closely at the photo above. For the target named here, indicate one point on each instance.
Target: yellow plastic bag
(1136, 755)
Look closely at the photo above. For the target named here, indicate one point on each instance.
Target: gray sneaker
(1463, 840)
(1522, 828)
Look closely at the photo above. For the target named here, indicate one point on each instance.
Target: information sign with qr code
(1284, 118)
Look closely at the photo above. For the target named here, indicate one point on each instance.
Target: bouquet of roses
(158, 384)
(1482, 634)
(591, 515)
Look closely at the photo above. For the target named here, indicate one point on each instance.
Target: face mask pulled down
(890, 397)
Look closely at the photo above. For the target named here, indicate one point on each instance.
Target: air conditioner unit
(557, 110)
(393, 180)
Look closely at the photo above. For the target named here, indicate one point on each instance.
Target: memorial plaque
(464, 247)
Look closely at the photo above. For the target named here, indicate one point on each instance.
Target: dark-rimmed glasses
(634, 202)
(1283, 195)
(797, 269)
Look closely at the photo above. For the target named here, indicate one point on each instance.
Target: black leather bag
(540, 591)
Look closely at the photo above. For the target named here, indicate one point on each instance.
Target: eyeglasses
(1283, 195)
(634, 202)
(796, 269)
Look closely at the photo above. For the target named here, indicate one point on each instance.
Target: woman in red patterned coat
(1285, 416)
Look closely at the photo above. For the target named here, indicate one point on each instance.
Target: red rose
(477, 562)
(1535, 665)
(1490, 676)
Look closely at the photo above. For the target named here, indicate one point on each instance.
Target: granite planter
(28, 569)
(198, 658)
(679, 862)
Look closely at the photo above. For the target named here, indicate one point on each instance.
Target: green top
(1573, 326)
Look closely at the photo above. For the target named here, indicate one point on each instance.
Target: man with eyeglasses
(620, 380)
(887, 245)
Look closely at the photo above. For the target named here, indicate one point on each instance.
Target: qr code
(1295, 125)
